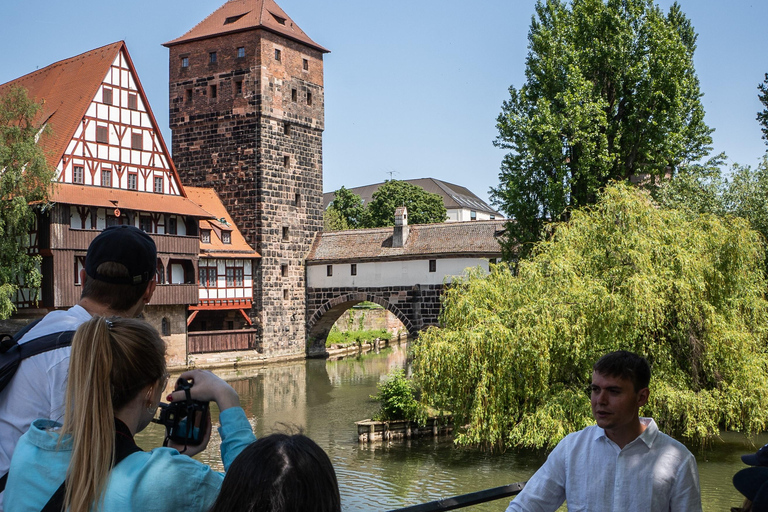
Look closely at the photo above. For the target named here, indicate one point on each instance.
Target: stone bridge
(417, 307)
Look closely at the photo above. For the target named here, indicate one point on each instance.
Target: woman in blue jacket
(117, 374)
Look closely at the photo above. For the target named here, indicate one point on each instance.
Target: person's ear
(149, 291)
(642, 397)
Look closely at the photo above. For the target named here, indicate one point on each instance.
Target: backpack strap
(124, 446)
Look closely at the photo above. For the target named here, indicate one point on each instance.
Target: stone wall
(176, 327)
(370, 320)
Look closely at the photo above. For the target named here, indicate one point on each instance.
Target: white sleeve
(545, 491)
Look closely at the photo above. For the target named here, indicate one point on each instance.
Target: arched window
(166, 328)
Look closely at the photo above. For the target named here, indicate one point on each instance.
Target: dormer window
(233, 19)
(205, 236)
(278, 19)
(226, 237)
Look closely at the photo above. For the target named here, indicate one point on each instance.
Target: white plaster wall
(391, 273)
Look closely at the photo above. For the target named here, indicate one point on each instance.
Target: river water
(325, 397)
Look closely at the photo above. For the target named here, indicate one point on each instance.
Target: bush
(397, 397)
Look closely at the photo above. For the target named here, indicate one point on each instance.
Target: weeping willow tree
(514, 356)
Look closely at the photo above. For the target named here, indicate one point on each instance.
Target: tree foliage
(24, 179)
(762, 116)
(515, 353)
(423, 207)
(348, 208)
(397, 398)
(610, 93)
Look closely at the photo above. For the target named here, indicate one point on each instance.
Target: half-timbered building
(226, 269)
(112, 167)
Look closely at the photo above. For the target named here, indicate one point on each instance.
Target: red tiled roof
(476, 238)
(103, 197)
(242, 15)
(66, 89)
(209, 200)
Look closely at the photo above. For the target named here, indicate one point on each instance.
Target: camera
(185, 421)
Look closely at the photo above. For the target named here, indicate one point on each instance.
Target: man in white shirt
(118, 280)
(624, 463)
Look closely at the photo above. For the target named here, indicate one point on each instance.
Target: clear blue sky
(411, 87)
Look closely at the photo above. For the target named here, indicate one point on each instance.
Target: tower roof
(242, 15)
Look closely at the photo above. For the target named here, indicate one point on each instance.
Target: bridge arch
(322, 319)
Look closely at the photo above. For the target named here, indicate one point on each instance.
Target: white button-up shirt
(653, 473)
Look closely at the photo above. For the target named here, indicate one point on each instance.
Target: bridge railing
(466, 500)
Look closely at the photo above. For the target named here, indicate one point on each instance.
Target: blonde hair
(112, 360)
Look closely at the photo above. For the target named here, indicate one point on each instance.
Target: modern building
(461, 204)
(247, 118)
(112, 167)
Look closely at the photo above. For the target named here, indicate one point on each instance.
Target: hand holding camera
(186, 418)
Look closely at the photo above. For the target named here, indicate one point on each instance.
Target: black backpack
(11, 355)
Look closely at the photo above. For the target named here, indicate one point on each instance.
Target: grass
(337, 337)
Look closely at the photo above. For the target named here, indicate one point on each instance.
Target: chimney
(400, 236)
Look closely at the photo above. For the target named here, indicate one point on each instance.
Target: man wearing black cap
(753, 482)
(118, 280)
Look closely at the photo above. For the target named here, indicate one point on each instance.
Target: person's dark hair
(625, 365)
(280, 473)
(118, 297)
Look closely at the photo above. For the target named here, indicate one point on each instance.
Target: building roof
(66, 89)
(475, 238)
(219, 221)
(243, 15)
(103, 197)
(454, 196)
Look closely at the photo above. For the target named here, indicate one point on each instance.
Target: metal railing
(466, 500)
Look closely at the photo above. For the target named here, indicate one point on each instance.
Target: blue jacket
(159, 480)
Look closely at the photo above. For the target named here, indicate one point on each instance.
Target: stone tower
(247, 118)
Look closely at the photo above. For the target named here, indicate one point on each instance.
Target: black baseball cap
(759, 458)
(128, 246)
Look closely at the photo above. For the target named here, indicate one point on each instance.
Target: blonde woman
(116, 377)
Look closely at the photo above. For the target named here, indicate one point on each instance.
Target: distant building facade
(247, 117)
(460, 203)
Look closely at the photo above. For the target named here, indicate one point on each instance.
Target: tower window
(285, 233)
(212, 58)
(297, 200)
(185, 62)
(133, 102)
(305, 64)
(106, 96)
(212, 91)
(238, 87)
(137, 141)
(188, 95)
(286, 161)
(294, 95)
(77, 174)
(309, 98)
(278, 55)
(287, 128)
(284, 270)
(240, 52)
(285, 293)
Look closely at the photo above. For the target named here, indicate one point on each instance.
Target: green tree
(610, 93)
(762, 116)
(423, 207)
(24, 179)
(333, 220)
(349, 207)
(515, 353)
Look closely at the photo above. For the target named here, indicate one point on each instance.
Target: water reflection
(326, 397)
